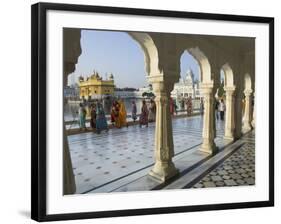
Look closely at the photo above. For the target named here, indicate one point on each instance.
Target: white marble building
(145, 89)
(186, 87)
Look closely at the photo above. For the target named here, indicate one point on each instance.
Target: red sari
(114, 112)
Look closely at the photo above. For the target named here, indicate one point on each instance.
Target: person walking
(101, 123)
(201, 106)
(189, 106)
(217, 103)
(122, 116)
(182, 102)
(222, 109)
(152, 111)
(93, 113)
(144, 114)
(82, 117)
(175, 107)
(114, 113)
(134, 111)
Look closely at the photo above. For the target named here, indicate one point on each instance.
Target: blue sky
(117, 53)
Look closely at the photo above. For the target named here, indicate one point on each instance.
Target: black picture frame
(39, 114)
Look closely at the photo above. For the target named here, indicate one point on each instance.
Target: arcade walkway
(120, 159)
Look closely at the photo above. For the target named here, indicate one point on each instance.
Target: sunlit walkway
(101, 159)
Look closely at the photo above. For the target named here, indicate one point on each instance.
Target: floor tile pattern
(100, 159)
(237, 170)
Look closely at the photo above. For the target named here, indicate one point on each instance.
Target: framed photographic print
(138, 111)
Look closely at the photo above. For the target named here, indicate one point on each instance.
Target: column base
(209, 148)
(228, 137)
(246, 129)
(253, 124)
(69, 186)
(162, 171)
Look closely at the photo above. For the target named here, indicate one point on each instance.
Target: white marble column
(229, 116)
(208, 144)
(72, 50)
(248, 111)
(69, 186)
(238, 114)
(164, 167)
(254, 115)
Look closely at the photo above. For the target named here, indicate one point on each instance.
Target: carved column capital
(229, 89)
(248, 92)
(163, 83)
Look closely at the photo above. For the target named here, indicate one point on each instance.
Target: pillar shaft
(254, 113)
(164, 167)
(248, 111)
(69, 185)
(238, 115)
(229, 116)
(71, 52)
(208, 144)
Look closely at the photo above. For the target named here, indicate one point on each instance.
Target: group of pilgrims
(118, 115)
(98, 119)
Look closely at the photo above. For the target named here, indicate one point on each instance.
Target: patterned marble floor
(237, 170)
(101, 159)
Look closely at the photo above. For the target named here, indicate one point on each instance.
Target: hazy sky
(117, 53)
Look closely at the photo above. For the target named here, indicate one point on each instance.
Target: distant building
(71, 92)
(186, 87)
(144, 90)
(124, 92)
(94, 87)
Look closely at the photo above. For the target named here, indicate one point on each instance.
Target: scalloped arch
(150, 51)
(228, 73)
(203, 62)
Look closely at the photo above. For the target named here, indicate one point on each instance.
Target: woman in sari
(122, 117)
(101, 123)
(189, 106)
(114, 112)
(93, 116)
(82, 117)
(144, 114)
(152, 111)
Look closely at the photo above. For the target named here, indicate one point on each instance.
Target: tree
(150, 94)
(221, 91)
